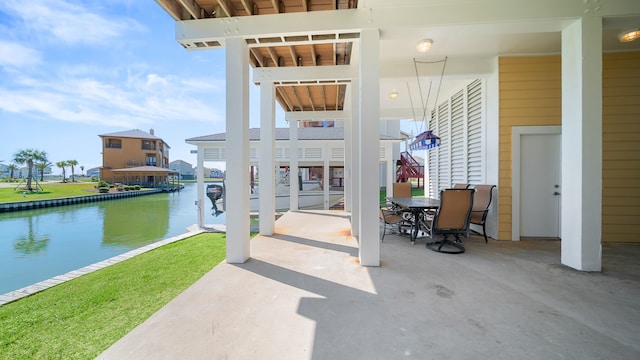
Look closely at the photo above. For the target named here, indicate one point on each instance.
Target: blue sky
(71, 70)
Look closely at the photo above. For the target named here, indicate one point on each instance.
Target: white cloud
(155, 80)
(111, 102)
(68, 22)
(16, 55)
(89, 85)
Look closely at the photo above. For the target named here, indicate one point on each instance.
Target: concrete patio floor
(303, 295)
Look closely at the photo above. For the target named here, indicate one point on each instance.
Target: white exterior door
(540, 161)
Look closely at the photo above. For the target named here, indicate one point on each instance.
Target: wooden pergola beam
(284, 99)
(192, 8)
(257, 56)
(313, 107)
(248, 6)
(324, 100)
(276, 6)
(314, 57)
(294, 56)
(226, 7)
(273, 56)
(295, 96)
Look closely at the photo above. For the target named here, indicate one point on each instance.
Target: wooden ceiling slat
(276, 6)
(274, 56)
(192, 8)
(294, 56)
(335, 57)
(309, 50)
(295, 96)
(284, 99)
(226, 7)
(324, 99)
(248, 6)
(313, 108)
(258, 57)
(314, 57)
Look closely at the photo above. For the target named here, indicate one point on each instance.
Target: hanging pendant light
(426, 140)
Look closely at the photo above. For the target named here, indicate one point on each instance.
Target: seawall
(37, 204)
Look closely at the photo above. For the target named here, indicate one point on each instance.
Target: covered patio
(304, 295)
(146, 176)
(349, 61)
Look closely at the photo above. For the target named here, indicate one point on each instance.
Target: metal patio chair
(481, 202)
(452, 218)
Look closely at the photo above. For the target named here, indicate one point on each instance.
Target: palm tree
(42, 165)
(62, 165)
(72, 163)
(12, 169)
(29, 156)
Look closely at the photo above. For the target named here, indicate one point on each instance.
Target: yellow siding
(621, 147)
(530, 95)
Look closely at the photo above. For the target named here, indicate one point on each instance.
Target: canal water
(38, 244)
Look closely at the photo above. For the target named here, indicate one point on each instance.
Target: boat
(215, 192)
(310, 197)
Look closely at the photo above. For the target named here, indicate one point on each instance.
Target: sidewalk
(303, 295)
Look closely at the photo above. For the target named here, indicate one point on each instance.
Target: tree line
(38, 159)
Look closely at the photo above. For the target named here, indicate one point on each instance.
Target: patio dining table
(418, 207)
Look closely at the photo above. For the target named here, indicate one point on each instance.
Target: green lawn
(51, 190)
(81, 318)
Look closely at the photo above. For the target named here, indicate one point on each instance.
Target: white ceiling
(471, 52)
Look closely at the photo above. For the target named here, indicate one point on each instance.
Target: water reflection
(31, 243)
(38, 244)
(135, 222)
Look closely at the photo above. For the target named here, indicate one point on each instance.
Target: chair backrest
(481, 202)
(460, 186)
(454, 211)
(402, 189)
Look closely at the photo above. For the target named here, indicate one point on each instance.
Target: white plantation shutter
(444, 150)
(459, 124)
(458, 140)
(474, 132)
(432, 156)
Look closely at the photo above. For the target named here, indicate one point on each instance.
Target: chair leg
(453, 247)
(484, 232)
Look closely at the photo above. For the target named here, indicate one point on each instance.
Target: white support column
(348, 166)
(355, 158)
(237, 151)
(369, 144)
(581, 226)
(267, 158)
(391, 166)
(325, 178)
(200, 186)
(293, 166)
